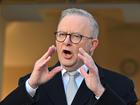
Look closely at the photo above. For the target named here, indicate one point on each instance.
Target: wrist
(99, 91)
(32, 84)
(31, 91)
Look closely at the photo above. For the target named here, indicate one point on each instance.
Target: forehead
(74, 23)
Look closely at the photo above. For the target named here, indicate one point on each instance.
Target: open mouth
(67, 54)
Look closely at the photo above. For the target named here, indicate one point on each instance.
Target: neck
(72, 68)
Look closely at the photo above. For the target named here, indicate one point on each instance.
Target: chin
(71, 66)
(66, 64)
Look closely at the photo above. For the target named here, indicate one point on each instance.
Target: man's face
(68, 51)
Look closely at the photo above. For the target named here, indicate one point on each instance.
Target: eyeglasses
(74, 37)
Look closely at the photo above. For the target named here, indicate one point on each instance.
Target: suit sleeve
(19, 96)
(110, 97)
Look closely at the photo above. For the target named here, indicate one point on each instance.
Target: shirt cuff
(29, 89)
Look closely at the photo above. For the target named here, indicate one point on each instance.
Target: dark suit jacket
(119, 90)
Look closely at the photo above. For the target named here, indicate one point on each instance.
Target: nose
(67, 40)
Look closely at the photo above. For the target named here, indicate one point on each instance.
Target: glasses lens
(60, 36)
(75, 38)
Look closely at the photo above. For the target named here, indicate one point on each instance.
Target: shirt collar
(83, 66)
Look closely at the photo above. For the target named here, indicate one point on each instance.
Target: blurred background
(27, 27)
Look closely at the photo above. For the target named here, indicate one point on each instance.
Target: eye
(76, 35)
(61, 34)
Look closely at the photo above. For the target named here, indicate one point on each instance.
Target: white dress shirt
(65, 79)
(78, 79)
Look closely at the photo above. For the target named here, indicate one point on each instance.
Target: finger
(50, 52)
(88, 62)
(81, 57)
(83, 72)
(83, 52)
(91, 70)
(84, 59)
(55, 71)
(43, 63)
(46, 60)
(87, 59)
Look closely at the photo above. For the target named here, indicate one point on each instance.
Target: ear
(95, 43)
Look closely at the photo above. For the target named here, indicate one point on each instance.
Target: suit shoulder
(115, 77)
(23, 79)
(120, 84)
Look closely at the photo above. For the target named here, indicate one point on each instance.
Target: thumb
(55, 70)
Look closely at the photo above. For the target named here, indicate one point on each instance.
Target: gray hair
(81, 12)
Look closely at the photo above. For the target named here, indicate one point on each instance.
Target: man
(76, 79)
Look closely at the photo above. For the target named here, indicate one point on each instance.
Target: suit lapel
(101, 74)
(83, 95)
(57, 93)
(56, 90)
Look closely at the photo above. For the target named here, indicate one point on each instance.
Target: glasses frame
(71, 34)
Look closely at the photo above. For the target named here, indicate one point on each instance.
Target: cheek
(76, 51)
(86, 47)
(58, 47)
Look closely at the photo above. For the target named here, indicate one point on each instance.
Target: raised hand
(41, 74)
(92, 78)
